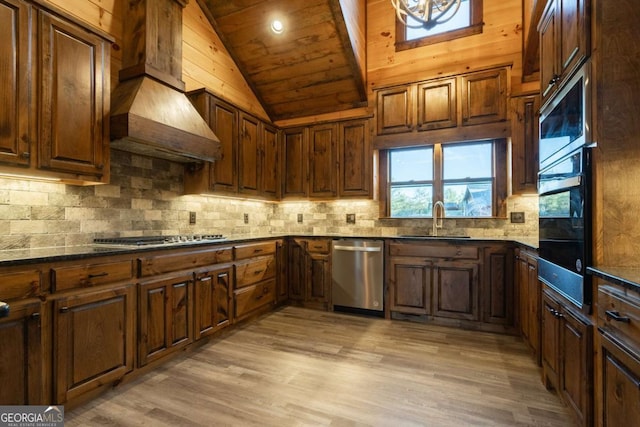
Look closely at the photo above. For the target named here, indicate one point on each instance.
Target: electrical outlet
(192, 218)
(351, 218)
(246, 218)
(517, 217)
(299, 218)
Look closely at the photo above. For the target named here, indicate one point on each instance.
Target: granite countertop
(624, 276)
(63, 253)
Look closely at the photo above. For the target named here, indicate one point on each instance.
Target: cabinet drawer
(254, 271)
(619, 312)
(166, 263)
(435, 250)
(319, 246)
(21, 284)
(87, 275)
(254, 249)
(253, 297)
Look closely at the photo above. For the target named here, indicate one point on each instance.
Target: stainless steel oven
(565, 226)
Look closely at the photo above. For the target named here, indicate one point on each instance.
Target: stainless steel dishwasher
(357, 267)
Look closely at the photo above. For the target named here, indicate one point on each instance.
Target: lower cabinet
(212, 300)
(567, 355)
(256, 273)
(529, 301)
(455, 290)
(310, 272)
(21, 356)
(410, 285)
(164, 316)
(93, 339)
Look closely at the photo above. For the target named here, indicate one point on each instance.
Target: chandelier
(428, 13)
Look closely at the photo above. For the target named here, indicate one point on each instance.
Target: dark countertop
(623, 276)
(14, 257)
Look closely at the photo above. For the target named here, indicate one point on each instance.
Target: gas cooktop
(160, 240)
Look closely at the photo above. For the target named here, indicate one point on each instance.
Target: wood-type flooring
(300, 367)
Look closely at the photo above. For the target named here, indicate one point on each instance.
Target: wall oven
(565, 226)
(564, 189)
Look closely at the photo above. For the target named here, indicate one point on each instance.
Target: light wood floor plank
(298, 367)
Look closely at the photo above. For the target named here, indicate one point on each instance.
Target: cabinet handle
(103, 274)
(615, 315)
(64, 309)
(35, 316)
(205, 279)
(26, 155)
(555, 79)
(257, 272)
(4, 309)
(257, 251)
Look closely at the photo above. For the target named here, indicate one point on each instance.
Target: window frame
(475, 27)
(499, 179)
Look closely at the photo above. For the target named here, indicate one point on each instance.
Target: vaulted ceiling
(315, 66)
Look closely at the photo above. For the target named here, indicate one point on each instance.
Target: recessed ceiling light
(277, 27)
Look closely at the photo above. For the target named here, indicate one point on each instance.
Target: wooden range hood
(150, 114)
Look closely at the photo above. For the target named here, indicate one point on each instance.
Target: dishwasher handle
(358, 248)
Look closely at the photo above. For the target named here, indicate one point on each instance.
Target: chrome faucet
(437, 220)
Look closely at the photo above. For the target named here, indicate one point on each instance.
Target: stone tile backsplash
(145, 197)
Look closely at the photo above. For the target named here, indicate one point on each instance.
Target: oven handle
(558, 184)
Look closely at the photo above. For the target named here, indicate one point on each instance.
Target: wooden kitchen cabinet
(256, 272)
(21, 359)
(497, 286)
(323, 161)
(94, 334)
(524, 143)
(269, 162)
(529, 301)
(567, 355)
(565, 36)
(66, 84)
(455, 290)
(437, 104)
(395, 109)
(410, 285)
(295, 163)
(355, 159)
(164, 316)
(222, 118)
(310, 272)
(249, 154)
(282, 264)
(212, 300)
(484, 97)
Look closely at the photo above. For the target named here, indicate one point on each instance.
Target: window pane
(473, 199)
(411, 201)
(415, 29)
(467, 161)
(412, 165)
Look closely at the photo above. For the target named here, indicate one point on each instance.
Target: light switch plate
(517, 217)
(300, 218)
(351, 218)
(246, 218)
(192, 218)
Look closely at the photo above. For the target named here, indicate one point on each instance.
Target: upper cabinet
(250, 157)
(564, 42)
(524, 143)
(55, 120)
(451, 107)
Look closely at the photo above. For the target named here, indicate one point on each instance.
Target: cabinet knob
(35, 316)
(4, 309)
(64, 309)
(26, 155)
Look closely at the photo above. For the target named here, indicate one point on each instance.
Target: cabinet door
(282, 283)
(455, 290)
(437, 105)
(223, 120)
(549, 32)
(249, 155)
(497, 286)
(323, 161)
(16, 109)
(523, 295)
(163, 317)
(524, 142)
(295, 163)
(212, 301)
(318, 277)
(576, 381)
(395, 110)
(620, 384)
(484, 97)
(297, 270)
(21, 358)
(550, 340)
(94, 340)
(354, 159)
(410, 285)
(74, 99)
(270, 166)
(574, 41)
(534, 307)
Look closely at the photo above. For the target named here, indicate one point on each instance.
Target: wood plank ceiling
(309, 69)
